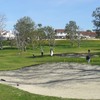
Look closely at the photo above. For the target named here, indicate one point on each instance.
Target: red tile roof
(85, 33)
(59, 30)
(91, 34)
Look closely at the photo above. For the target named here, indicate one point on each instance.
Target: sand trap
(67, 80)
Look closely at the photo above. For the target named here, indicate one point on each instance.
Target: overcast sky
(55, 13)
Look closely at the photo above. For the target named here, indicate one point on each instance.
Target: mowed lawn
(11, 59)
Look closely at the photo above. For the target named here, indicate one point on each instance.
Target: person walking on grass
(88, 57)
(51, 52)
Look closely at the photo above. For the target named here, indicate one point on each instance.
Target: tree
(41, 37)
(33, 39)
(78, 37)
(96, 21)
(2, 26)
(71, 29)
(24, 27)
(88, 31)
(50, 34)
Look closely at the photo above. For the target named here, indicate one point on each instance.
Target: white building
(60, 33)
(7, 35)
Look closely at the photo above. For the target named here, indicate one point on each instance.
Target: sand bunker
(67, 80)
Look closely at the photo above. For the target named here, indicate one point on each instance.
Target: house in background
(88, 35)
(61, 34)
(7, 35)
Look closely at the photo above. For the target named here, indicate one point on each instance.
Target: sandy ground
(67, 80)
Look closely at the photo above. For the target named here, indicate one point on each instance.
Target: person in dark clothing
(88, 56)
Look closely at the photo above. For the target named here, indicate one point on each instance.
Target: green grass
(64, 46)
(10, 59)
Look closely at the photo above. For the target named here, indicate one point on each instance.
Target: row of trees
(27, 32)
